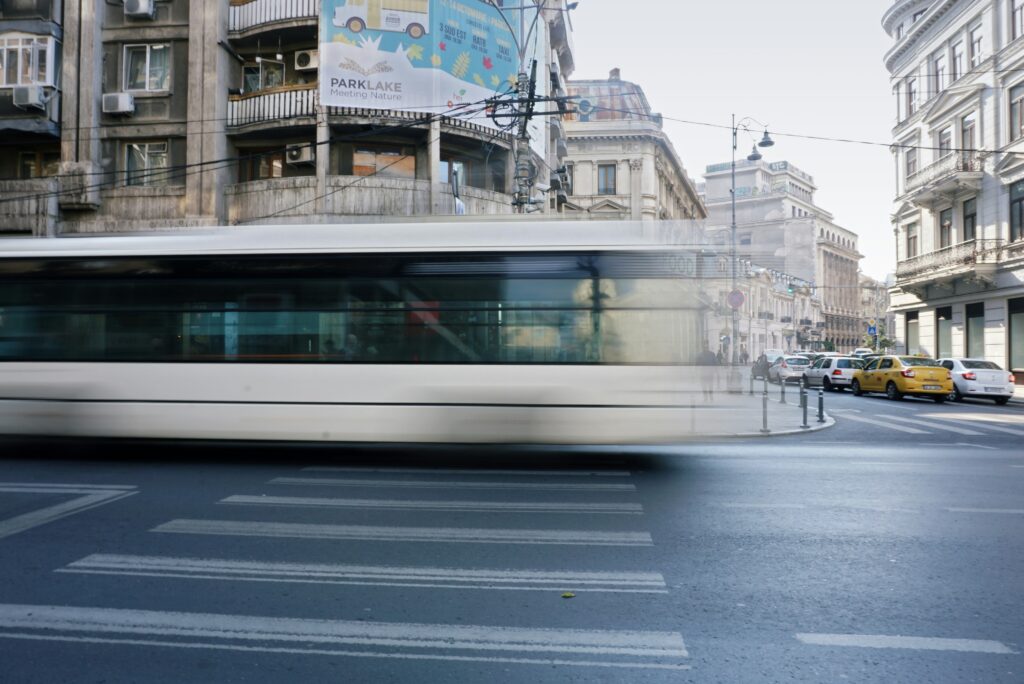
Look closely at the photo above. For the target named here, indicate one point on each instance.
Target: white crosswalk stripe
(449, 484)
(490, 472)
(938, 426)
(906, 642)
(872, 421)
(352, 638)
(406, 505)
(988, 426)
(368, 575)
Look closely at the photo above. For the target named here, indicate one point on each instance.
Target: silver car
(979, 378)
(832, 372)
(788, 369)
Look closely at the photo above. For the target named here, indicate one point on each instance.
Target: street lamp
(766, 141)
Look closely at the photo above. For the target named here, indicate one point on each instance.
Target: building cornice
(917, 31)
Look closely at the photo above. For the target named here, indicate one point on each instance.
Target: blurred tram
(511, 332)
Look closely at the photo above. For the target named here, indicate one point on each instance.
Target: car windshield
(980, 365)
(798, 361)
(849, 363)
(916, 361)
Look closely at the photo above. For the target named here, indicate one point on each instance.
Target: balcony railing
(953, 259)
(268, 106)
(248, 14)
(946, 167)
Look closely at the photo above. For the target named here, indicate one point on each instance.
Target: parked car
(898, 376)
(788, 369)
(979, 378)
(773, 355)
(862, 352)
(834, 373)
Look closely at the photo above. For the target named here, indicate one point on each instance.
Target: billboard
(416, 55)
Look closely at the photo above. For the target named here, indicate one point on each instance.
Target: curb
(785, 432)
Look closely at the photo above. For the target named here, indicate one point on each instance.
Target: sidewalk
(741, 415)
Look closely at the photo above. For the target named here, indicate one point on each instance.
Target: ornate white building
(957, 72)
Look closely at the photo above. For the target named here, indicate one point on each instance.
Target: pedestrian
(744, 356)
(719, 357)
(760, 369)
(707, 362)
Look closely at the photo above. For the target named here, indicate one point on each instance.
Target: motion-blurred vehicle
(899, 376)
(979, 379)
(788, 369)
(834, 373)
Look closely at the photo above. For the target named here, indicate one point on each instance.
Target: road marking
(996, 511)
(1017, 466)
(368, 575)
(872, 421)
(412, 534)
(888, 463)
(938, 426)
(977, 446)
(472, 471)
(987, 426)
(906, 642)
(91, 496)
(401, 504)
(480, 643)
(443, 484)
(762, 506)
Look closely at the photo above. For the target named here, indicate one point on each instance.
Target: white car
(834, 373)
(788, 369)
(773, 355)
(979, 378)
(861, 352)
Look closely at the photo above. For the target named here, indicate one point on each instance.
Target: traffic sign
(872, 330)
(736, 299)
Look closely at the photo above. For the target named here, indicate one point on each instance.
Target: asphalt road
(889, 548)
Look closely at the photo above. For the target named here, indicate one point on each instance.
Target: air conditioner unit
(118, 103)
(30, 96)
(139, 9)
(307, 60)
(300, 154)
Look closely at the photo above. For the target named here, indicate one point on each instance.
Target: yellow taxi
(898, 376)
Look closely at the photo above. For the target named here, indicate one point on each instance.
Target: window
(911, 96)
(1017, 19)
(38, 164)
(885, 364)
(899, 31)
(956, 62)
(1016, 211)
(145, 163)
(606, 179)
(1016, 311)
(944, 339)
(917, 15)
(910, 157)
(970, 219)
(570, 178)
(945, 139)
(975, 47)
(260, 164)
(945, 228)
(394, 162)
(967, 131)
(1017, 112)
(265, 74)
(147, 68)
(976, 330)
(911, 240)
(26, 60)
(939, 72)
(913, 333)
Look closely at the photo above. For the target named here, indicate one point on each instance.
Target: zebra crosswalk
(929, 423)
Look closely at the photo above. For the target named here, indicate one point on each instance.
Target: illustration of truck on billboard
(411, 17)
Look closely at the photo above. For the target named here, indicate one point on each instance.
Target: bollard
(803, 405)
(821, 405)
(764, 409)
(751, 382)
(782, 390)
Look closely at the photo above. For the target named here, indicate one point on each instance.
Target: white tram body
(517, 332)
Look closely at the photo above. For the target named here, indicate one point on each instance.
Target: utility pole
(526, 89)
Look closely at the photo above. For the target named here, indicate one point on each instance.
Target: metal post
(821, 405)
(751, 382)
(782, 390)
(803, 406)
(764, 409)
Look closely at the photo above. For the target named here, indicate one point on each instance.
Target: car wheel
(1002, 401)
(806, 383)
(827, 384)
(941, 399)
(957, 394)
(857, 391)
(892, 392)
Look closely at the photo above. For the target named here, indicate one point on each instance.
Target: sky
(805, 67)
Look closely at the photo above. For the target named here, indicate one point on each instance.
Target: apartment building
(620, 163)
(781, 228)
(133, 115)
(957, 71)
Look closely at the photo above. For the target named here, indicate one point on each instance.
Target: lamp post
(766, 141)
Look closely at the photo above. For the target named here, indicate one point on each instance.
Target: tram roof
(456, 236)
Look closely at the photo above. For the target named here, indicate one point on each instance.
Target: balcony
(251, 16)
(945, 179)
(29, 206)
(284, 106)
(971, 260)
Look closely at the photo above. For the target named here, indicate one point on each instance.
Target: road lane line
(987, 426)
(889, 463)
(762, 506)
(446, 484)
(334, 637)
(977, 446)
(873, 421)
(906, 642)
(368, 575)
(937, 426)
(472, 471)
(92, 496)
(401, 504)
(405, 534)
(994, 511)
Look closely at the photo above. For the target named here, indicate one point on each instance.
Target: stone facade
(225, 126)
(957, 73)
